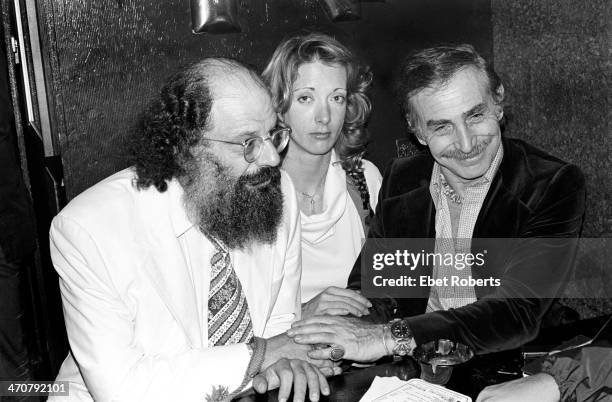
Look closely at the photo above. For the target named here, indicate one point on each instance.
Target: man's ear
(499, 94)
(499, 99)
(414, 129)
(500, 113)
(500, 91)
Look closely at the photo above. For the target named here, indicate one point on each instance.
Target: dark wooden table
(353, 383)
(469, 378)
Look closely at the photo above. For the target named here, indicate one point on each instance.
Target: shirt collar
(492, 171)
(178, 214)
(335, 159)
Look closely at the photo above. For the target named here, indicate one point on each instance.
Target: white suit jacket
(135, 303)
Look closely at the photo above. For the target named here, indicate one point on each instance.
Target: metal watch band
(402, 336)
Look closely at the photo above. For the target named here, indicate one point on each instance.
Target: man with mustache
(473, 184)
(180, 274)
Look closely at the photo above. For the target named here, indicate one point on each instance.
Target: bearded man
(180, 274)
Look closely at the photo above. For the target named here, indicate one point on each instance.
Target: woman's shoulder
(370, 171)
(373, 181)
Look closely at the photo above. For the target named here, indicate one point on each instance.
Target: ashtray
(443, 352)
(437, 359)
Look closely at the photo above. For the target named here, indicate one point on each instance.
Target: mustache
(268, 173)
(477, 150)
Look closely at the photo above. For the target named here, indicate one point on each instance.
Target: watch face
(400, 329)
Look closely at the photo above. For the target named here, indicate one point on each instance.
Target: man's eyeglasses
(253, 147)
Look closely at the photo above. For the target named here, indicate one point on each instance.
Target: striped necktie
(229, 320)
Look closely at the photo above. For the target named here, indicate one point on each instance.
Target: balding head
(219, 72)
(197, 87)
(175, 121)
(196, 132)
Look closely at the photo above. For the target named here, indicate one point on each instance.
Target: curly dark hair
(281, 72)
(174, 122)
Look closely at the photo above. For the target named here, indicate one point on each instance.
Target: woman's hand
(336, 301)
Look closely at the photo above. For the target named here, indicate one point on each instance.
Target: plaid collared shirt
(457, 240)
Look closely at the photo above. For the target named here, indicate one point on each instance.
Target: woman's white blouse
(332, 240)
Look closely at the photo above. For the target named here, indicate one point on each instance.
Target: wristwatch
(402, 335)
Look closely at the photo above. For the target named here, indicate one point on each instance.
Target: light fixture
(342, 10)
(214, 16)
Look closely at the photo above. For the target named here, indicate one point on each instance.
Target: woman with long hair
(319, 90)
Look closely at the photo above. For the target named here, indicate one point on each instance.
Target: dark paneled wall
(555, 59)
(106, 58)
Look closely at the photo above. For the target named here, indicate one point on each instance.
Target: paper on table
(381, 386)
(392, 389)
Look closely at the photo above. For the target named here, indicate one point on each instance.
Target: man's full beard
(237, 211)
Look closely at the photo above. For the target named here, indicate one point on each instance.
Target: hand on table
(283, 347)
(336, 301)
(362, 342)
(287, 372)
(535, 388)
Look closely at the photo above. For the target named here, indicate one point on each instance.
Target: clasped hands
(287, 364)
(293, 360)
(332, 318)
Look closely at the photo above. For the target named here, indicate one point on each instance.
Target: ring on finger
(336, 353)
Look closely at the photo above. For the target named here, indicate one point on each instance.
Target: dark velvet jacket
(533, 195)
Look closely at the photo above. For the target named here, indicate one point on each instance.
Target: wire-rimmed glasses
(253, 147)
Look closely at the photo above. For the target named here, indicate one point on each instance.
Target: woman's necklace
(311, 198)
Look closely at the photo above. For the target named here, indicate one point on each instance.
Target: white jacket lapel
(167, 267)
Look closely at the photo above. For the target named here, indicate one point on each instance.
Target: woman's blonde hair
(281, 72)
